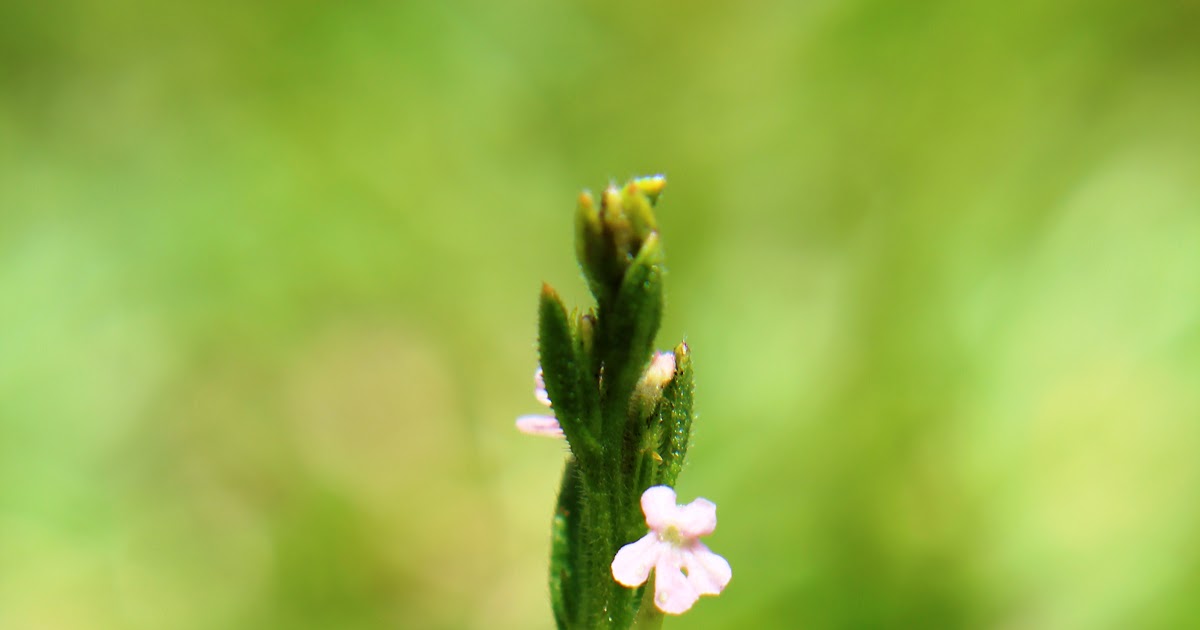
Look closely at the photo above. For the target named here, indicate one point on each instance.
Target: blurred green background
(268, 277)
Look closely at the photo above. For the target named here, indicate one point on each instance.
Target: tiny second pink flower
(684, 567)
(539, 425)
(545, 425)
(660, 371)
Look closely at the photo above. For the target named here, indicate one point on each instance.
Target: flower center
(672, 535)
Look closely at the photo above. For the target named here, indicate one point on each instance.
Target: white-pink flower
(684, 567)
(546, 425)
(660, 371)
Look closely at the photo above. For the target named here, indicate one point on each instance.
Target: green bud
(590, 247)
(586, 328)
(609, 238)
(610, 200)
(651, 186)
(637, 208)
(617, 227)
(565, 375)
(589, 232)
(648, 391)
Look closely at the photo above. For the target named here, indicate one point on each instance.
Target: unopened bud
(591, 248)
(649, 388)
(637, 208)
(651, 186)
(619, 234)
(588, 230)
(683, 356)
(618, 226)
(610, 201)
(587, 332)
(660, 371)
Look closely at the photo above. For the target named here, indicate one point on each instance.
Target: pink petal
(539, 425)
(658, 504)
(661, 369)
(707, 572)
(698, 518)
(673, 593)
(632, 565)
(539, 388)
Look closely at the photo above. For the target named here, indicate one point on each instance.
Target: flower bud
(649, 388)
(617, 226)
(586, 332)
(651, 186)
(588, 231)
(637, 208)
(659, 373)
(592, 248)
(610, 239)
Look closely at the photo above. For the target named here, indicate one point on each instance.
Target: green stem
(649, 617)
(596, 572)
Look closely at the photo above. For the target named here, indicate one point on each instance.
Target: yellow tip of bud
(586, 201)
(652, 185)
(610, 201)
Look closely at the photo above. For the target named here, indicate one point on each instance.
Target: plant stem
(649, 617)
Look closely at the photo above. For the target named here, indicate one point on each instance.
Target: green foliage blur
(269, 276)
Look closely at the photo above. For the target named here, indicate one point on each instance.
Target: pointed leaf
(564, 374)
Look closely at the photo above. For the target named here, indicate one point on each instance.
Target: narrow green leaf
(564, 375)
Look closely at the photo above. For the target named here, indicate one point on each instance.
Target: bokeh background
(268, 277)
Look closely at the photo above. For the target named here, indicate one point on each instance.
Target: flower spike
(625, 414)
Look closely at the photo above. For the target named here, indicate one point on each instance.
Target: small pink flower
(539, 388)
(650, 386)
(660, 371)
(684, 568)
(545, 425)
